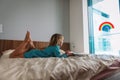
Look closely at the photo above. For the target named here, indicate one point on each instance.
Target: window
(104, 26)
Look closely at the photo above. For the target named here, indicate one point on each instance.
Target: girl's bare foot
(31, 44)
(27, 36)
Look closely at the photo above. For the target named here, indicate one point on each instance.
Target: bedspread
(72, 68)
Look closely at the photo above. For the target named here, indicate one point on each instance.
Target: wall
(45, 17)
(41, 17)
(79, 26)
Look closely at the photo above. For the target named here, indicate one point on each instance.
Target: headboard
(12, 44)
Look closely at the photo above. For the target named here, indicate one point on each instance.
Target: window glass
(104, 26)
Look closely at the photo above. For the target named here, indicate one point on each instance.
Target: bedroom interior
(44, 18)
(49, 17)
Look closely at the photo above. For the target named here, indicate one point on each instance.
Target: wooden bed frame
(12, 44)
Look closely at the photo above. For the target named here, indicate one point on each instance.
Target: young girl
(27, 48)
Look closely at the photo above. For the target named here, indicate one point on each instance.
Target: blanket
(72, 68)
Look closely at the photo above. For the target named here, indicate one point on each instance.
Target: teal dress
(50, 51)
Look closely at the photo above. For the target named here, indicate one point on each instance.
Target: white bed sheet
(72, 68)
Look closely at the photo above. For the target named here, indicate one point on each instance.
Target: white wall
(41, 17)
(79, 26)
(45, 17)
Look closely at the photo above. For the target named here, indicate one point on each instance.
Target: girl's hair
(55, 39)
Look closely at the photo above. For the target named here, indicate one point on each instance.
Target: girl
(27, 48)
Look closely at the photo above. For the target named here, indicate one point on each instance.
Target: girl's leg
(26, 45)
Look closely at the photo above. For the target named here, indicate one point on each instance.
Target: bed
(79, 67)
(82, 66)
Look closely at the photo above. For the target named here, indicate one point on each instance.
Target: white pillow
(6, 53)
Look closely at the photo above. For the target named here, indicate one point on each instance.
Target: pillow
(6, 53)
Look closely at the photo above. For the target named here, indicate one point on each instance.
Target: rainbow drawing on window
(106, 26)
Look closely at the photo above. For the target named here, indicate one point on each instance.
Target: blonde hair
(55, 39)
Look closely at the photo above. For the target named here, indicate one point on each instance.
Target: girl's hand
(69, 53)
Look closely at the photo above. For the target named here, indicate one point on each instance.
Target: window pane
(104, 26)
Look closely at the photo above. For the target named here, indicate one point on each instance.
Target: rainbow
(106, 26)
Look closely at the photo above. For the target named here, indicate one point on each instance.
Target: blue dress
(50, 51)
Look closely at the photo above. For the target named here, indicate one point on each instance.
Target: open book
(79, 54)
